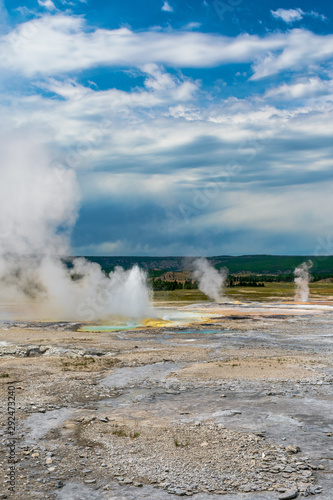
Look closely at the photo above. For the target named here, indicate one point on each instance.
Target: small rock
(289, 495)
(92, 481)
(104, 419)
(32, 351)
(48, 460)
(293, 449)
(60, 484)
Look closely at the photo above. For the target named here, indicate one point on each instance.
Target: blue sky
(194, 128)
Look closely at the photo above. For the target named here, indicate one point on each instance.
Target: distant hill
(262, 265)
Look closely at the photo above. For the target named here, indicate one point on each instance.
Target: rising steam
(38, 208)
(302, 280)
(210, 281)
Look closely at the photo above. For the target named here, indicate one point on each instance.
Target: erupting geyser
(38, 208)
(302, 280)
(210, 281)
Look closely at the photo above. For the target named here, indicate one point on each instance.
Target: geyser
(38, 208)
(302, 280)
(210, 281)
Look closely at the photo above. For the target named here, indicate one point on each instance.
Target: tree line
(161, 285)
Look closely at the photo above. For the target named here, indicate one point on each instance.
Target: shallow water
(38, 425)
(139, 374)
(107, 328)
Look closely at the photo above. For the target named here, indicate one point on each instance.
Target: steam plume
(210, 281)
(302, 279)
(38, 208)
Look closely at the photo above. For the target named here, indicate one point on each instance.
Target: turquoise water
(107, 328)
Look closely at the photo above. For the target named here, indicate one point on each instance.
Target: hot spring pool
(107, 328)
(165, 317)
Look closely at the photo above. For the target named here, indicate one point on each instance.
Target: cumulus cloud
(163, 82)
(47, 4)
(301, 89)
(166, 7)
(288, 15)
(291, 15)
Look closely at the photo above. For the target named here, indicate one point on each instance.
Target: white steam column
(302, 280)
(210, 281)
(39, 203)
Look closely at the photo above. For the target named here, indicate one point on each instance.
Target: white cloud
(316, 14)
(293, 207)
(163, 82)
(57, 44)
(288, 15)
(146, 131)
(167, 7)
(48, 4)
(160, 87)
(300, 49)
(291, 15)
(191, 26)
(302, 89)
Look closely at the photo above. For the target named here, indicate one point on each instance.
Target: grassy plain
(270, 292)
